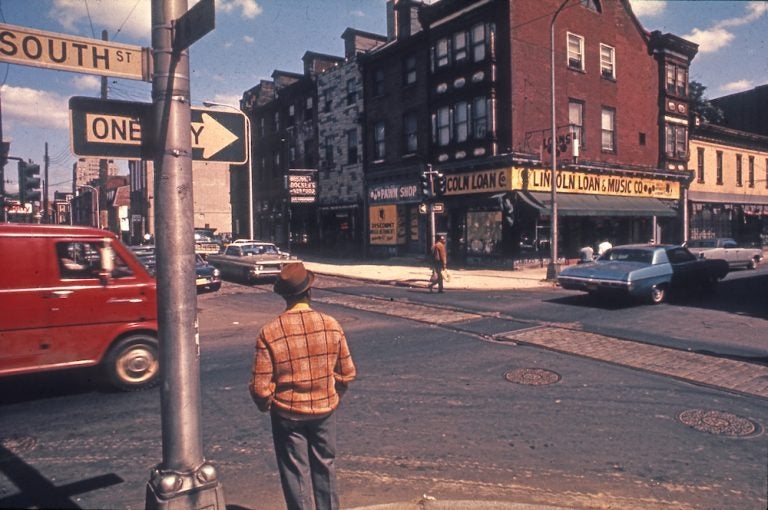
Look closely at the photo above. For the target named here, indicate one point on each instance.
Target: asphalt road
(439, 409)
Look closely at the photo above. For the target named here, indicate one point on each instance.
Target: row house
(728, 194)
(479, 110)
(307, 146)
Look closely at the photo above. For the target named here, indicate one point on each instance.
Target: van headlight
(216, 272)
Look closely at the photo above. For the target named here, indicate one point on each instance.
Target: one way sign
(122, 130)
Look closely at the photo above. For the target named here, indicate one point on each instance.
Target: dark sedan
(207, 277)
(643, 271)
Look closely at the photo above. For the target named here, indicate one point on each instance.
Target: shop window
(575, 52)
(483, 233)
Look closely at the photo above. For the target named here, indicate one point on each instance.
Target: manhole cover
(16, 445)
(717, 422)
(532, 376)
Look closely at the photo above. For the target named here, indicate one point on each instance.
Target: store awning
(574, 204)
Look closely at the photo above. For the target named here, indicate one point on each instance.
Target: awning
(575, 204)
(728, 198)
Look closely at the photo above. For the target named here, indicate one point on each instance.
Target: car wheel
(752, 264)
(216, 286)
(133, 364)
(658, 294)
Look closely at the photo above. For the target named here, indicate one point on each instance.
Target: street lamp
(250, 160)
(552, 268)
(98, 212)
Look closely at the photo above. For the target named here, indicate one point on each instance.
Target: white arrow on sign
(211, 136)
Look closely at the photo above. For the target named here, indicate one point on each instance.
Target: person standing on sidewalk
(301, 368)
(439, 263)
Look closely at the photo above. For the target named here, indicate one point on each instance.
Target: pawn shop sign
(122, 130)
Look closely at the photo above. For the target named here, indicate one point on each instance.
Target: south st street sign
(36, 48)
(121, 129)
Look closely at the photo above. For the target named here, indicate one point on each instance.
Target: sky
(253, 38)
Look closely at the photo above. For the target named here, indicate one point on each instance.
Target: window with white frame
(608, 129)
(459, 47)
(461, 121)
(479, 118)
(441, 53)
(575, 51)
(607, 61)
(676, 80)
(676, 142)
(443, 126)
(478, 42)
(410, 134)
(379, 141)
(576, 119)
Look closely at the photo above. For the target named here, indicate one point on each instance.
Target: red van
(75, 297)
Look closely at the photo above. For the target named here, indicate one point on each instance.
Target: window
(700, 165)
(291, 115)
(739, 173)
(720, 167)
(459, 47)
(751, 175)
(478, 43)
(308, 109)
(351, 92)
(608, 129)
(576, 120)
(592, 5)
(327, 99)
(277, 121)
(575, 51)
(410, 135)
(479, 118)
(607, 62)
(441, 53)
(352, 146)
(409, 70)
(677, 80)
(443, 126)
(676, 142)
(379, 144)
(461, 122)
(378, 82)
(328, 152)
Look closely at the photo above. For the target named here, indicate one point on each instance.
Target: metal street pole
(250, 160)
(98, 212)
(553, 268)
(184, 479)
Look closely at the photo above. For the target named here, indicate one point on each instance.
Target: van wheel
(133, 364)
(658, 294)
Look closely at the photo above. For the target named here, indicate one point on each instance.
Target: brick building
(621, 118)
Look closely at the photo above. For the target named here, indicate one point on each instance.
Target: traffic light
(29, 182)
(440, 185)
(425, 185)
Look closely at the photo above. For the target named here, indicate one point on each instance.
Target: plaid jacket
(300, 357)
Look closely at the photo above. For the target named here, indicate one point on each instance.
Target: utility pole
(103, 164)
(184, 479)
(46, 163)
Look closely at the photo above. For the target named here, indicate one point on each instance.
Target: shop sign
(383, 224)
(302, 186)
(540, 179)
(393, 193)
(487, 181)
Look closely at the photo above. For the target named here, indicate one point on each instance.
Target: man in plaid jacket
(301, 368)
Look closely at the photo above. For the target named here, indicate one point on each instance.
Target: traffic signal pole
(184, 479)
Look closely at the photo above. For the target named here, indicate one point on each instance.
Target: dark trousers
(437, 267)
(306, 451)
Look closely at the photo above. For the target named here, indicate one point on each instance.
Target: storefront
(743, 217)
(394, 222)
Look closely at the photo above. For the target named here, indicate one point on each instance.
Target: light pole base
(553, 269)
(172, 490)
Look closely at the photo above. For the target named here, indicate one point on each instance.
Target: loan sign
(123, 130)
(26, 46)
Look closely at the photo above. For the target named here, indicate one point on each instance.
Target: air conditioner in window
(574, 62)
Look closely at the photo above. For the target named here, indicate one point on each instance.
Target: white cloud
(249, 8)
(248, 39)
(648, 8)
(737, 86)
(132, 19)
(357, 13)
(710, 40)
(35, 108)
(755, 10)
(86, 82)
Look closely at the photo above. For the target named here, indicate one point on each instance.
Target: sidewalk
(412, 272)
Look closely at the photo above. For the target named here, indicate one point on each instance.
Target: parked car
(643, 271)
(728, 249)
(250, 261)
(205, 243)
(76, 297)
(207, 277)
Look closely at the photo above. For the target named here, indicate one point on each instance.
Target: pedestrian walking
(301, 368)
(439, 263)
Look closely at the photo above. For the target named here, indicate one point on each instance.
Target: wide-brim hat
(294, 279)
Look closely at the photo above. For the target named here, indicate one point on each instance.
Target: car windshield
(702, 243)
(628, 255)
(259, 249)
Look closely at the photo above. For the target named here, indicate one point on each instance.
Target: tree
(701, 107)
